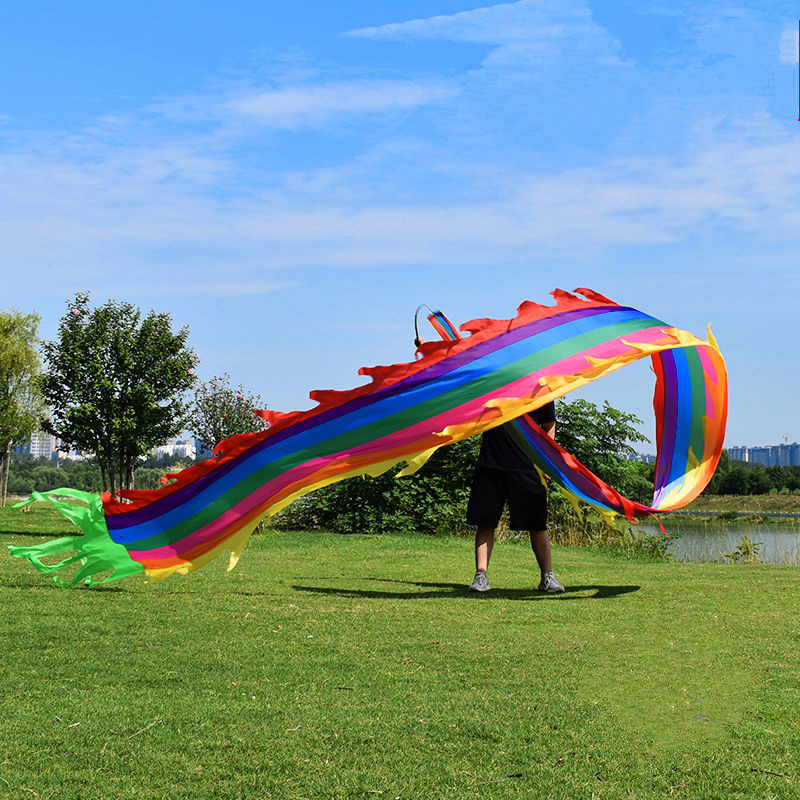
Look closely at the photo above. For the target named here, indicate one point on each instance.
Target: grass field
(358, 667)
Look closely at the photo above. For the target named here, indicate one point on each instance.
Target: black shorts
(526, 496)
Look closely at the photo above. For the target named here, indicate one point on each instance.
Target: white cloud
(506, 22)
(789, 46)
(311, 104)
(528, 30)
(169, 218)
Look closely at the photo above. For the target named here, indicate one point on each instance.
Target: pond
(711, 540)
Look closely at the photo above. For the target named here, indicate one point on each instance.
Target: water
(711, 540)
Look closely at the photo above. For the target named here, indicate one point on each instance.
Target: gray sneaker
(549, 584)
(480, 583)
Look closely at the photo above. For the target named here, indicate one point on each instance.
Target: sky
(292, 180)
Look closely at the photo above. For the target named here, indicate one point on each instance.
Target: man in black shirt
(504, 474)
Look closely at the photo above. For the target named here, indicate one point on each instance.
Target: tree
(724, 465)
(734, 481)
(759, 481)
(601, 439)
(220, 411)
(20, 400)
(116, 383)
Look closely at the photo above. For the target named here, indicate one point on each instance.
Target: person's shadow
(442, 590)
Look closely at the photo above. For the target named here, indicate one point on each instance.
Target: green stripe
(393, 423)
(697, 437)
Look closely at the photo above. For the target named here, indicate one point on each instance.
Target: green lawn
(36, 518)
(358, 667)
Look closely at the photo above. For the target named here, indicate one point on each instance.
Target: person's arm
(550, 429)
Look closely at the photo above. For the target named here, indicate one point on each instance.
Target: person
(504, 474)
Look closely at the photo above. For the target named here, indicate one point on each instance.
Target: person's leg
(528, 506)
(484, 542)
(540, 544)
(484, 508)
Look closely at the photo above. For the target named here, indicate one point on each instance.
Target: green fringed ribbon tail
(96, 551)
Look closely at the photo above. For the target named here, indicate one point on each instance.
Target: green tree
(759, 481)
(792, 480)
(221, 410)
(20, 400)
(116, 383)
(776, 476)
(734, 481)
(724, 465)
(602, 439)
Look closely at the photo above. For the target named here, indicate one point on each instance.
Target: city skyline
(45, 445)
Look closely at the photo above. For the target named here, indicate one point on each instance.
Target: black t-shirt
(499, 451)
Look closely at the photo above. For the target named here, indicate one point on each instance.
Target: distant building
(759, 455)
(775, 455)
(645, 458)
(44, 445)
(182, 448)
(740, 453)
(202, 453)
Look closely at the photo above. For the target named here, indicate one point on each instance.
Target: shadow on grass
(441, 590)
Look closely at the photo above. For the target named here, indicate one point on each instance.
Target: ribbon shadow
(419, 590)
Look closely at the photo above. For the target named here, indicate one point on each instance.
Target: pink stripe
(406, 439)
(710, 372)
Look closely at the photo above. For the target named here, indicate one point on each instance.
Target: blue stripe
(551, 468)
(668, 392)
(683, 421)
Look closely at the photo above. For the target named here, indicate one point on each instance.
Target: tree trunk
(107, 471)
(7, 462)
(103, 479)
(4, 477)
(126, 477)
(7, 459)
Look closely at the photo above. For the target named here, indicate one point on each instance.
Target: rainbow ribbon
(443, 326)
(456, 389)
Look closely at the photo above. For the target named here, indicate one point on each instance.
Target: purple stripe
(667, 444)
(434, 372)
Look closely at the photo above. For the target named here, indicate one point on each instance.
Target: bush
(433, 501)
(746, 552)
(567, 527)
(27, 474)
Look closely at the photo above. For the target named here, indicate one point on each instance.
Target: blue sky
(291, 181)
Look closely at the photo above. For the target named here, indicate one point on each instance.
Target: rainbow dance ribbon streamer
(443, 326)
(456, 389)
